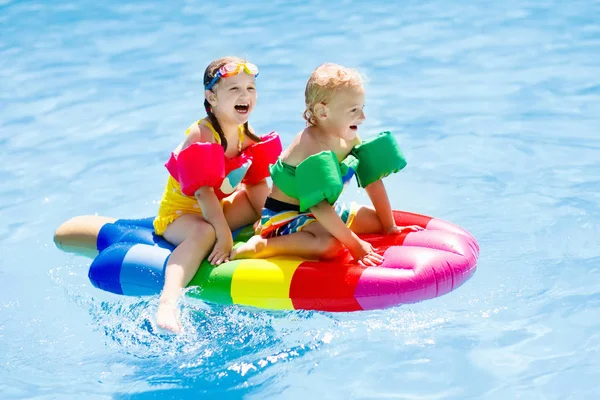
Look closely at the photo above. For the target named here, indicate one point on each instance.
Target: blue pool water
(496, 105)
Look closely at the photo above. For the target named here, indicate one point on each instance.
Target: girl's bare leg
(194, 238)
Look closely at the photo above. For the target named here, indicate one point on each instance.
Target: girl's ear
(211, 97)
(321, 111)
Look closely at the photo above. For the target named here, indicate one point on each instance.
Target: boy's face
(344, 113)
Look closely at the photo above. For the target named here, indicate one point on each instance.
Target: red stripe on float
(404, 218)
(381, 242)
(325, 286)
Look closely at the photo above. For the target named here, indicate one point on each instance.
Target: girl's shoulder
(197, 132)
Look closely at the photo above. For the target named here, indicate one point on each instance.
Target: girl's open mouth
(242, 108)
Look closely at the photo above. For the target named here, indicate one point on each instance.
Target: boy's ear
(211, 97)
(321, 111)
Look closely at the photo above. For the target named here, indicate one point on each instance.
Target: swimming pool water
(496, 107)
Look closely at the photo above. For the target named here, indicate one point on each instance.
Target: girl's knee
(201, 230)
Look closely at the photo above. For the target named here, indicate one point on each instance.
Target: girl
(217, 180)
(301, 216)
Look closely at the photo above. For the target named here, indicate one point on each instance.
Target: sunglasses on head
(231, 69)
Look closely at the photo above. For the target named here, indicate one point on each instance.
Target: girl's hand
(396, 230)
(221, 250)
(365, 255)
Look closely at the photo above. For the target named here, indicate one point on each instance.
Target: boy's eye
(354, 110)
(233, 88)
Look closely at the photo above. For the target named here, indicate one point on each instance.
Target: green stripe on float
(214, 283)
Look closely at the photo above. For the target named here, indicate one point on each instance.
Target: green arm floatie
(350, 163)
(284, 176)
(318, 178)
(378, 158)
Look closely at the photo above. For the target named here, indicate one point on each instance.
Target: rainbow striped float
(129, 259)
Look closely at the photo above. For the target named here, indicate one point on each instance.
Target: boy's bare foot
(251, 249)
(167, 317)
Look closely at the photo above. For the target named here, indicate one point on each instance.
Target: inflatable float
(129, 259)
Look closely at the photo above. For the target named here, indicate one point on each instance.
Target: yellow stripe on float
(264, 283)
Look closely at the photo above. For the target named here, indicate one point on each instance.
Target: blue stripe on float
(132, 231)
(132, 259)
(142, 272)
(105, 270)
(142, 222)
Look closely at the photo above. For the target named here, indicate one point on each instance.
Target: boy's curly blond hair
(324, 81)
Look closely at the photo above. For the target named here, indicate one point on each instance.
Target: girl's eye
(354, 110)
(251, 88)
(234, 88)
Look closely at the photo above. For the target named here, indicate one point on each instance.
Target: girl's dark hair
(209, 74)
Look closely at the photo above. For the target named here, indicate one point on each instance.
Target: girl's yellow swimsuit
(174, 203)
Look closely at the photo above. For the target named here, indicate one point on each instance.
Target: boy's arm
(381, 203)
(361, 251)
(326, 215)
(383, 209)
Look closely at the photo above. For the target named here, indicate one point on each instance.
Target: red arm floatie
(200, 164)
(263, 154)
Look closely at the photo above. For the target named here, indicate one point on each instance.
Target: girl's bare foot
(167, 317)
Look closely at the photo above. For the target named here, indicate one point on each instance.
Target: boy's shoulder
(301, 147)
(307, 144)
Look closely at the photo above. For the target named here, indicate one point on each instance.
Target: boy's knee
(329, 247)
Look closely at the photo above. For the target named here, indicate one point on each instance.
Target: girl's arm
(257, 195)
(362, 251)
(211, 208)
(213, 214)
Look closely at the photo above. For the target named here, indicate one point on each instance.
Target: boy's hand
(365, 255)
(396, 230)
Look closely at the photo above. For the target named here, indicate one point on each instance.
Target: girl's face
(344, 113)
(233, 98)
